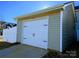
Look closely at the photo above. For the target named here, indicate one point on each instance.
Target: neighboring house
(5, 25)
(51, 28)
(9, 35)
(9, 25)
(1, 27)
(8, 31)
(77, 24)
(1, 32)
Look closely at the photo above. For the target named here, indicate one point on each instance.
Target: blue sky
(10, 10)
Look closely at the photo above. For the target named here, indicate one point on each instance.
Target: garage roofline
(44, 12)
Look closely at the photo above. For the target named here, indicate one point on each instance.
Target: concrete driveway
(22, 51)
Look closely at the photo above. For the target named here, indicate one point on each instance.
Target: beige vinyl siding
(54, 32)
(19, 30)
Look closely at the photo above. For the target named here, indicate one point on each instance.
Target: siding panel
(68, 26)
(54, 32)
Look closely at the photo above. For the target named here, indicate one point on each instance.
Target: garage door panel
(35, 33)
(32, 42)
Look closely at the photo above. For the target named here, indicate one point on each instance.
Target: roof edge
(57, 7)
(41, 11)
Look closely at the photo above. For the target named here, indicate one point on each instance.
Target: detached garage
(52, 28)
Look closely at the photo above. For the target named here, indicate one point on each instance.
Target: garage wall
(68, 25)
(19, 30)
(9, 35)
(54, 32)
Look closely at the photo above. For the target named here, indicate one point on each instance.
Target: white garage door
(35, 33)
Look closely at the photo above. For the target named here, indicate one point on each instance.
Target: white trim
(61, 18)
